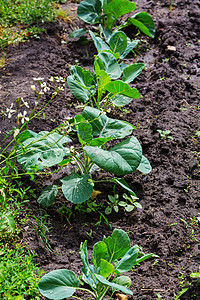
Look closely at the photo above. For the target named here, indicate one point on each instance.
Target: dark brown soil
(170, 194)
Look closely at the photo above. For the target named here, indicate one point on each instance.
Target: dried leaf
(121, 297)
(95, 193)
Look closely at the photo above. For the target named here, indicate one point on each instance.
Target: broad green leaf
(99, 141)
(48, 196)
(118, 244)
(128, 260)
(81, 83)
(124, 184)
(144, 257)
(89, 11)
(84, 129)
(115, 54)
(144, 22)
(121, 100)
(101, 76)
(58, 284)
(116, 286)
(84, 257)
(130, 47)
(107, 33)
(118, 42)
(144, 166)
(7, 223)
(44, 150)
(84, 77)
(106, 268)
(99, 251)
(99, 43)
(87, 270)
(24, 135)
(77, 33)
(110, 64)
(124, 158)
(76, 189)
(122, 280)
(82, 93)
(105, 126)
(132, 71)
(119, 87)
(117, 8)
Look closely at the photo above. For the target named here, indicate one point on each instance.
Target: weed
(115, 203)
(19, 275)
(164, 134)
(64, 15)
(25, 12)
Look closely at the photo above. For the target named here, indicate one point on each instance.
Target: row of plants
(37, 152)
(108, 85)
(105, 87)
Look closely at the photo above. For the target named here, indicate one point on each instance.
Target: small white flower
(59, 79)
(23, 117)
(10, 111)
(45, 87)
(16, 132)
(61, 88)
(51, 79)
(25, 103)
(38, 79)
(33, 88)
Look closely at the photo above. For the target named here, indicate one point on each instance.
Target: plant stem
(27, 122)
(88, 291)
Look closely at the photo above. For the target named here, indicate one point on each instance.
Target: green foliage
(196, 275)
(94, 129)
(76, 188)
(16, 34)
(117, 42)
(18, 274)
(48, 196)
(44, 150)
(165, 134)
(25, 12)
(107, 13)
(115, 203)
(111, 257)
(98, 89)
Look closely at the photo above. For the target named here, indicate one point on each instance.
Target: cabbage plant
(94, 130)
(108, 12)
(103, 87)
(110, 258)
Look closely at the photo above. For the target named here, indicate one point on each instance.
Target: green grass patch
(17, 15)
(19, 275)
(25, 12)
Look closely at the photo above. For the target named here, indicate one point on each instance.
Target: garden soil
(168, 224)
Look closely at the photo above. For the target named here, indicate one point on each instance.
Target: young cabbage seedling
(94, 129)
(110, 258)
